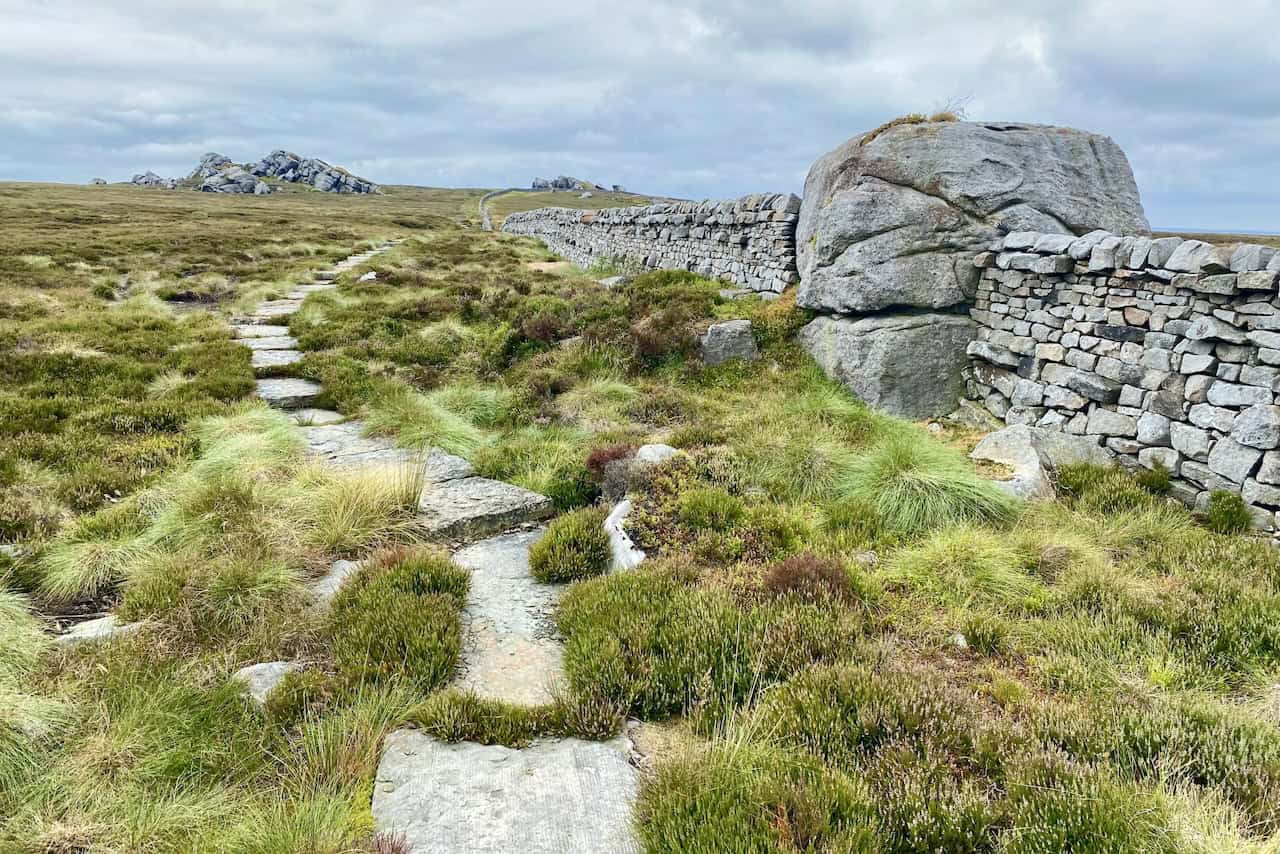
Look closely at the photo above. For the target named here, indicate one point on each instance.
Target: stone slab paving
(288, 393)
(324, 588)
(317, 417)
(561, 797)
(271, 342)
(277, 308)
(511, 651)
(259, 330)
(266, 359)
(475, 506)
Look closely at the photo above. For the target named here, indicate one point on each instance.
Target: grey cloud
(692, 98)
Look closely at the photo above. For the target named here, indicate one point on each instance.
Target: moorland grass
(873, 649)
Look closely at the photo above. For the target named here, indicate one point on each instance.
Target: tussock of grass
(549, 460)
(342, 750)
(652, 645)
(418, 421)
(455, 715)
(761, 799)
(918, 485)
(962, 564)
(349, 512)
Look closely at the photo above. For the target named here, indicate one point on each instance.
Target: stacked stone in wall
(749, 242)
(1167, 351)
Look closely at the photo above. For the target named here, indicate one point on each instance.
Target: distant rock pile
(287, 166)
(217, 173)
(561, 183)
(211, 164)
(235, 180)
(151, 179)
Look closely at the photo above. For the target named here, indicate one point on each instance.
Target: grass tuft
(917, 485)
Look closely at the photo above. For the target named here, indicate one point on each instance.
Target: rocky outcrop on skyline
(287, 166)
(563, 182)
(211, 164)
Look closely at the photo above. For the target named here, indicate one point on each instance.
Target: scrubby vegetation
(868, 646)
(574, 547)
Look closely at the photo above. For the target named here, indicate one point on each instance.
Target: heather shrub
(807, 576)
(574, 547)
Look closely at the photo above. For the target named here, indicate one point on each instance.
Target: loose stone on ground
(474, 506)
(261, 679)
(101, 629)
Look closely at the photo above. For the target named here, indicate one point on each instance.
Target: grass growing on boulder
(916, 485)
(575, 546)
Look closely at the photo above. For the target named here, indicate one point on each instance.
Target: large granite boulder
(908, 365)
(325, 177)
(895, 218)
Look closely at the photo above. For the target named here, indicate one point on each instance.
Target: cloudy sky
(692, 98)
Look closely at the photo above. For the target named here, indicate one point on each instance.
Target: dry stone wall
(749, 241)
(1166, 351)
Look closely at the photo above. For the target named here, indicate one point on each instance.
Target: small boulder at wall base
(728, 340)
(896, 217)
(909, 365)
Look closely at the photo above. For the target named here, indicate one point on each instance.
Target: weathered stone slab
(261, 679)
(559, 797)
(344, 443)
(897, 219)
(731, 339)
(510, 647)
(474, 506)
(288, 393)
(267, 359)
(259, 330)
(324, 588)
(272, 342)
(1014, 447)
(317, 417)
